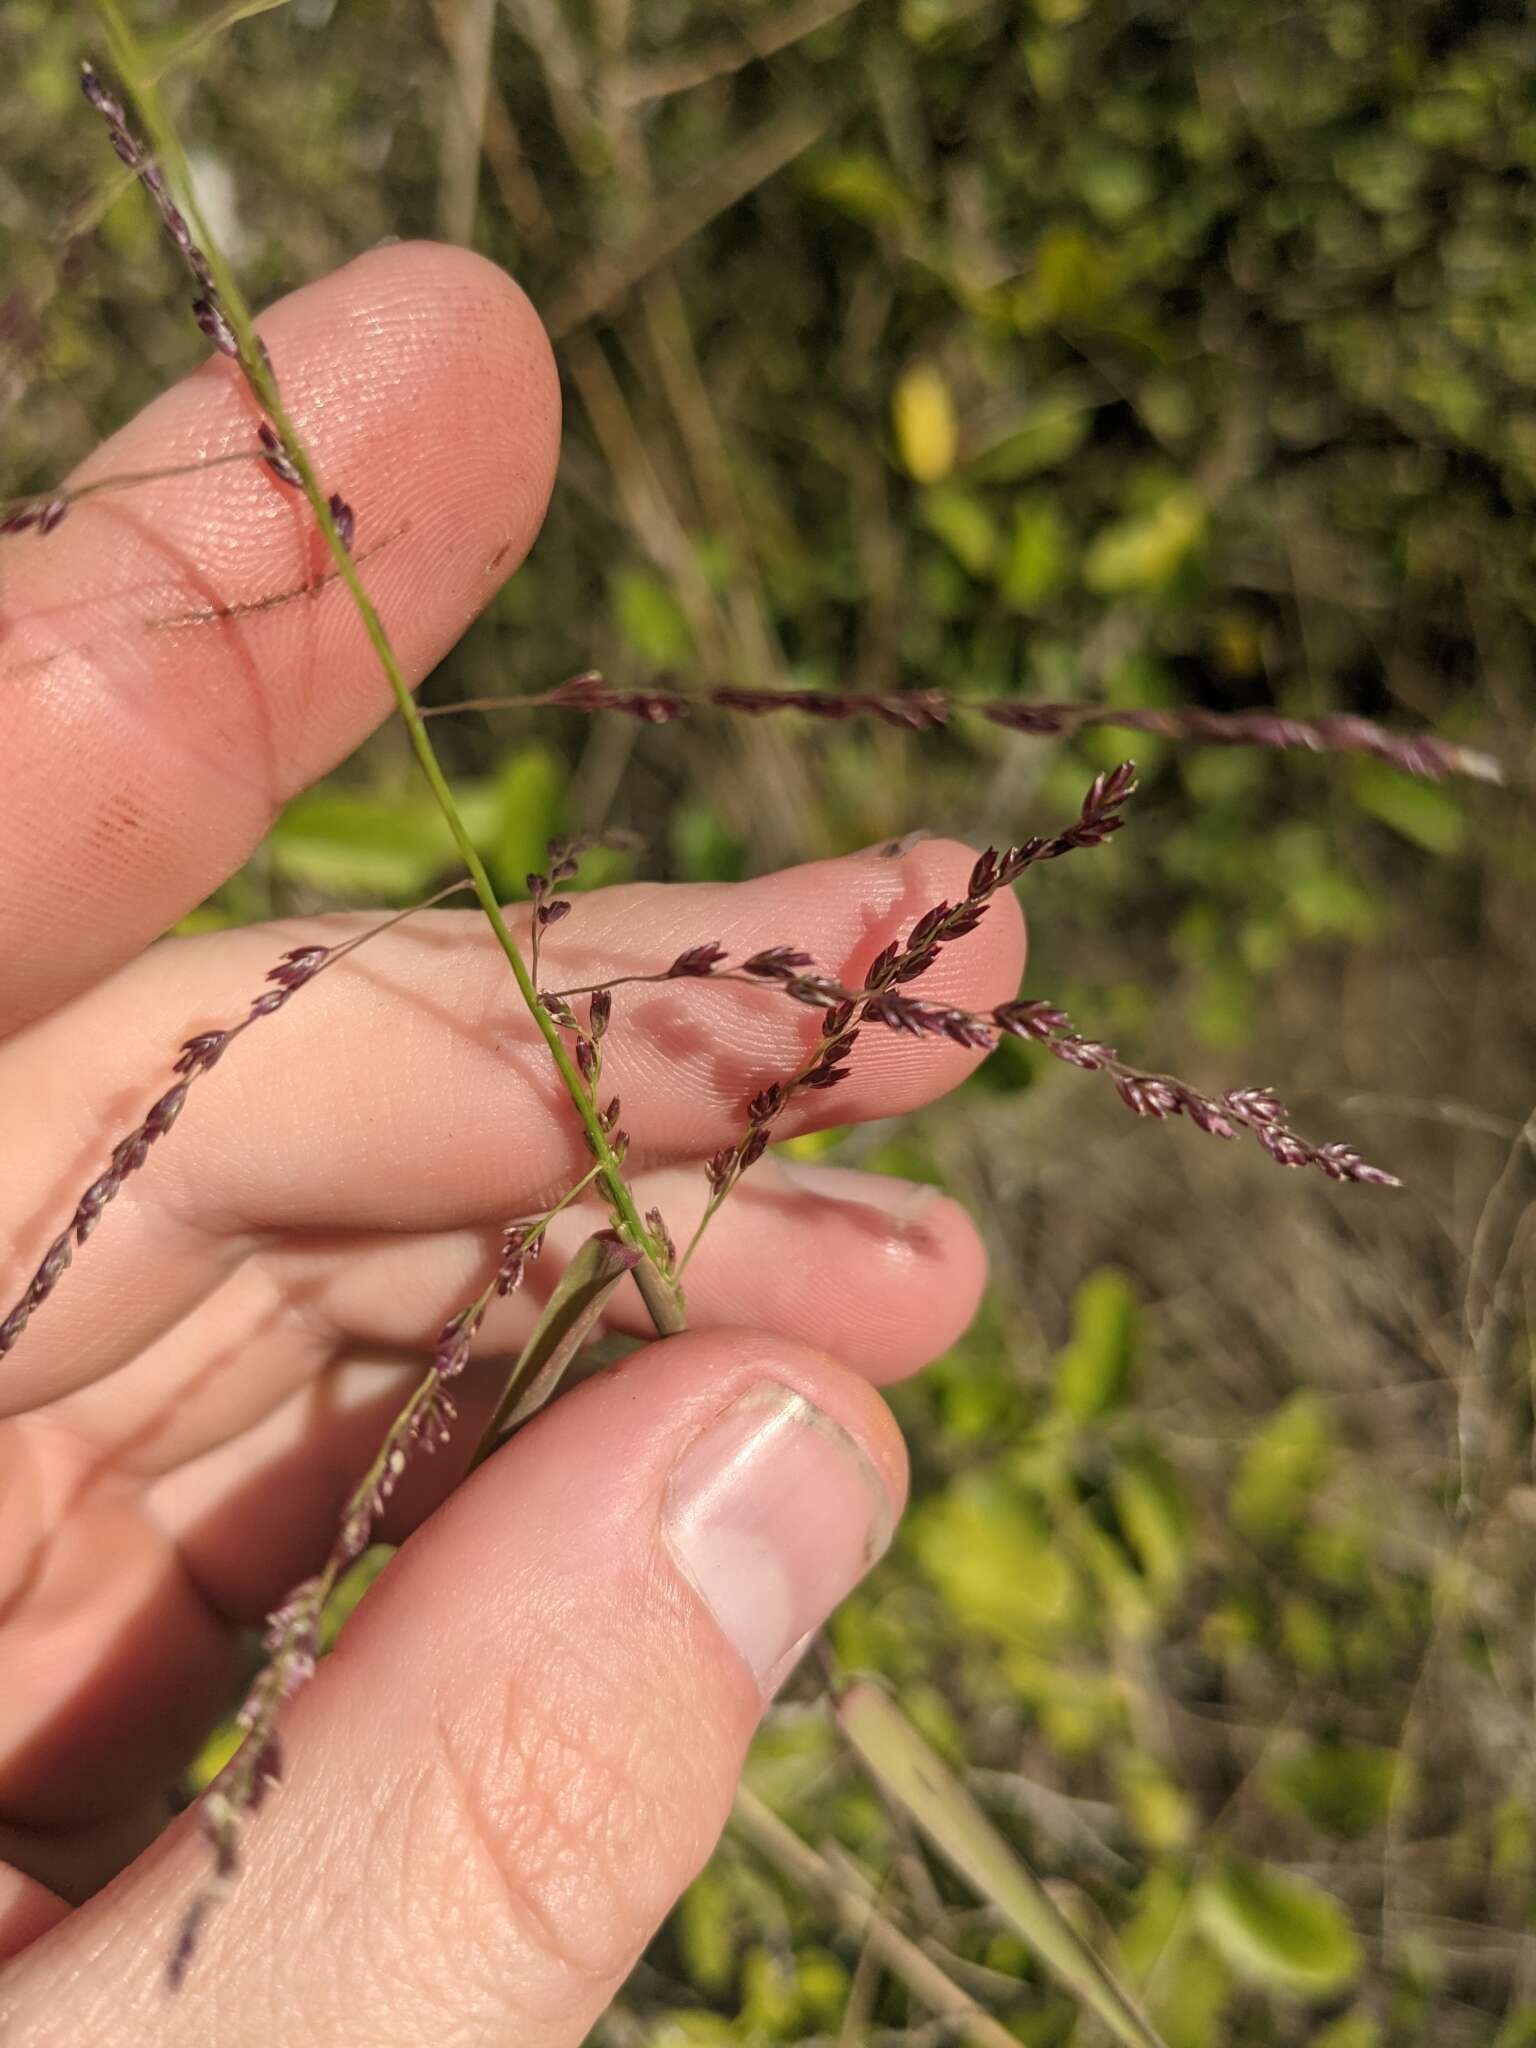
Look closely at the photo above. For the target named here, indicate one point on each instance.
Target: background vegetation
(1152, 350)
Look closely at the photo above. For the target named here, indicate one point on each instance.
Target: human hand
(527, 1741)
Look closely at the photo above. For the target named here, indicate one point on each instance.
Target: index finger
(176, 663)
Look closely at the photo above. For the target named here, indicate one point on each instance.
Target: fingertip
(908, 1288)
(887, 1272)
(495, 385)
(184, 659)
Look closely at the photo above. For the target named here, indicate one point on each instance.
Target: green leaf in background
(1036, 560)
(529, 788)
(1143, 554)
(1426, 814)
(1281, 1469)
(1519, 2030)
(770, 2008)
(1071, 281)
(1308, 1637)
(1277, 1929)
(1155, 1514)
(348, 843)
(1346, 1789)
(1160, 1811)
(703, 847)
(1045, 435)
(923, 417)
(993, 1555)
(1183, 1979)
(964, 522)
(947, 1814)
(862, 186)
(1093, 1372)
(218, 1747)
(649, 619)
(1191, 1997)
(1351, 2030)
(1116, 183)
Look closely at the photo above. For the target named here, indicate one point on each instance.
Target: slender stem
(657, 1292)
(862, 1917)
(130, 479)
(710, 1209)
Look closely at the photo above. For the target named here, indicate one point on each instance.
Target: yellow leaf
(923, 413)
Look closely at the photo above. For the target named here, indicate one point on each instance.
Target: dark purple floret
(754, 1148)
(299, 966)
(766, 1104)
(817, 991)
(589, 692)
(696, 962)
(346, 521)
(46, 518)
(200, 1053)
(777, 963)
(210, 318)
(277, 458)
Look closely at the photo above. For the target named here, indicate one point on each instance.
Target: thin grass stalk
(658, 1293)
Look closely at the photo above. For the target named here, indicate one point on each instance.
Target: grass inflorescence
(576, 1022)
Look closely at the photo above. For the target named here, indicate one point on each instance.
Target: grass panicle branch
(197, 1056)
(291, 1644)
(924, 711)
(336, 521)
(885, 998)
(46, 511)
(881, 999)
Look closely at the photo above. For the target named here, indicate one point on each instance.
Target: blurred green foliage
(1157, 353)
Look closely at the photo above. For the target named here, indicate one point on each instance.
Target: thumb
(527, 1741)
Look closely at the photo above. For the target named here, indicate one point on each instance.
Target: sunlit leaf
(1093, 1373)
(1282, 1467)
(923, 415)
(649, 618)
(1426, 814)
(945, 1811)
(964, 522)
(348, 843)
(1278, 1929)
(1346, 1789)
(529, 789)
(1142, 554)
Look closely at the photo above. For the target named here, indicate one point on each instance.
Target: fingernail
(902, 1200)
(773, 1514)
